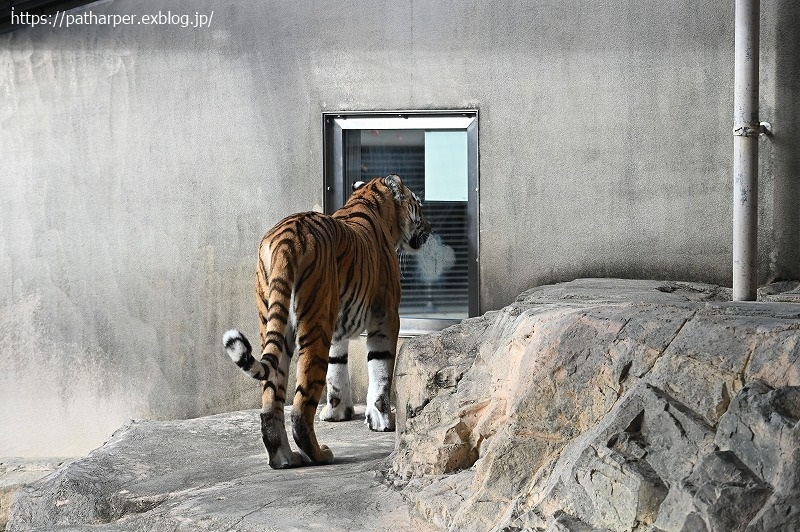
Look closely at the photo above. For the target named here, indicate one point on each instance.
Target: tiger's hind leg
(340, 397)
(271, 370)
(277, 344)
(314, 342)
(273, 398)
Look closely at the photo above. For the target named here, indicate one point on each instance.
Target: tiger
(320, 281)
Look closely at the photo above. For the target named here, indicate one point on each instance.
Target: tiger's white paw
(377, 419)
(340, 412)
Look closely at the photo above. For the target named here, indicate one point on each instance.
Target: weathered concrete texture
(142, 164)
(606, 404)
(211, 473)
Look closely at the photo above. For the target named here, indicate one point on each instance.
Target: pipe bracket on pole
(763, 128)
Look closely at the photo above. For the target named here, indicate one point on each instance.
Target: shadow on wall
(786, 159)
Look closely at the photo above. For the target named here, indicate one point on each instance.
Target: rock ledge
(606, 405)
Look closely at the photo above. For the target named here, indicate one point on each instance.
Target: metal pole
(746, 129)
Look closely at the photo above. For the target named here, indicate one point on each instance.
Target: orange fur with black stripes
(320, 281)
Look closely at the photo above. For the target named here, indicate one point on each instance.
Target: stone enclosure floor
(211, 473)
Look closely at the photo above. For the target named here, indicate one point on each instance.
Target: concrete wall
(142, 164)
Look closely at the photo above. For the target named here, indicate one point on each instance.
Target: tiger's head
(414, 228)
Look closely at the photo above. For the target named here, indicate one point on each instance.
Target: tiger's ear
(393, 182)
(357, 185)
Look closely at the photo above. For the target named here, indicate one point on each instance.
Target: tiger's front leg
(380, 367)
(340, 397)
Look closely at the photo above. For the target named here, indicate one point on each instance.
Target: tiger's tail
(240, 351)
(274, 295)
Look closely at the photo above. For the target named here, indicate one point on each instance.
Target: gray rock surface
(212, 473)
(606, 405)
(586, 406)
(16, 473)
